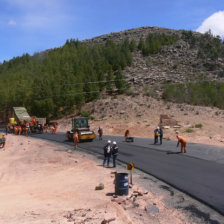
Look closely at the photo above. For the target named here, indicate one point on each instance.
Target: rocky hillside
(175, 63)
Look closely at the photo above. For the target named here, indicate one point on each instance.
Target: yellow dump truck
(20, 115)
(80, 125)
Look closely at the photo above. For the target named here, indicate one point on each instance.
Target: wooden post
(130, 176)
(130, 167)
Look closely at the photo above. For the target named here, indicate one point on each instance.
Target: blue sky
(30, 26)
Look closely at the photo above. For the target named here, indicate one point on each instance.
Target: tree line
(201, 93)
(52, 82)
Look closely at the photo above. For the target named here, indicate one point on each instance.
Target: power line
(73, 94)
(72, 84)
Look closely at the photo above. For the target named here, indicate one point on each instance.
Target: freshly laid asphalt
(199, 172)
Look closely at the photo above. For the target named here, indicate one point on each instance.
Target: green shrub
(198, 126)
(189, 130)
(84, 113)
(91, 118)
(150, 92)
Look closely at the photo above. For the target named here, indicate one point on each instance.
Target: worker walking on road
(126, 135)
(76, 139)
(114, 153)
(156, 135)
(107, 153)
(100, 132)
(183, 142)
(161, 135)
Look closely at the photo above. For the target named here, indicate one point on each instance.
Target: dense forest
(54, 81)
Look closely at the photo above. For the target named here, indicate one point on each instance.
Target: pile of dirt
(166, 120)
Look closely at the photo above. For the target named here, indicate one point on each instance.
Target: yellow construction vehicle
(80, 125)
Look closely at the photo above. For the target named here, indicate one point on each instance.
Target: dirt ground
(141, 114)
(44, 183)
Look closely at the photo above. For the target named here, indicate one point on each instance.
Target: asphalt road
(199, 172)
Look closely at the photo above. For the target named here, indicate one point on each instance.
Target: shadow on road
(168, 153)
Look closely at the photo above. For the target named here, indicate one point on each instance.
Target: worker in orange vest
(20, 129)
(15, 130)
(27, 128)
(76, 139)
(126, 135)
(183, 142)
(100, 132)
(55, 128)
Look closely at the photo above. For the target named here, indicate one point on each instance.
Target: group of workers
(27, 127)
(110, 150)
(18, 129)
(158, 135)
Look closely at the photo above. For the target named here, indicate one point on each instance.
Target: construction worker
(114, 153)
(161, 135)
(107, 153)
(76, 139)
(46, 128)
(27, 128)
(100, 132)
(20, 129)
(183, 142)
(55, 128)
(126, 135)
(15, 130)
(33, 121)
(156, 135)
(52, 129)
(3, 141)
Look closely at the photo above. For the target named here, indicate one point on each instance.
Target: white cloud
(39, 14)
(12, 22)
(215, 23)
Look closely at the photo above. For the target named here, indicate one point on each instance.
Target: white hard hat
(114, 143)
(109, 141)
(157, 127)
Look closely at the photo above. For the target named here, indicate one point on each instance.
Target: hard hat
(114, 143)
(157, 127)
(109, 141)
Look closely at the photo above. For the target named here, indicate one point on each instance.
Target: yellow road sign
(131, 166)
